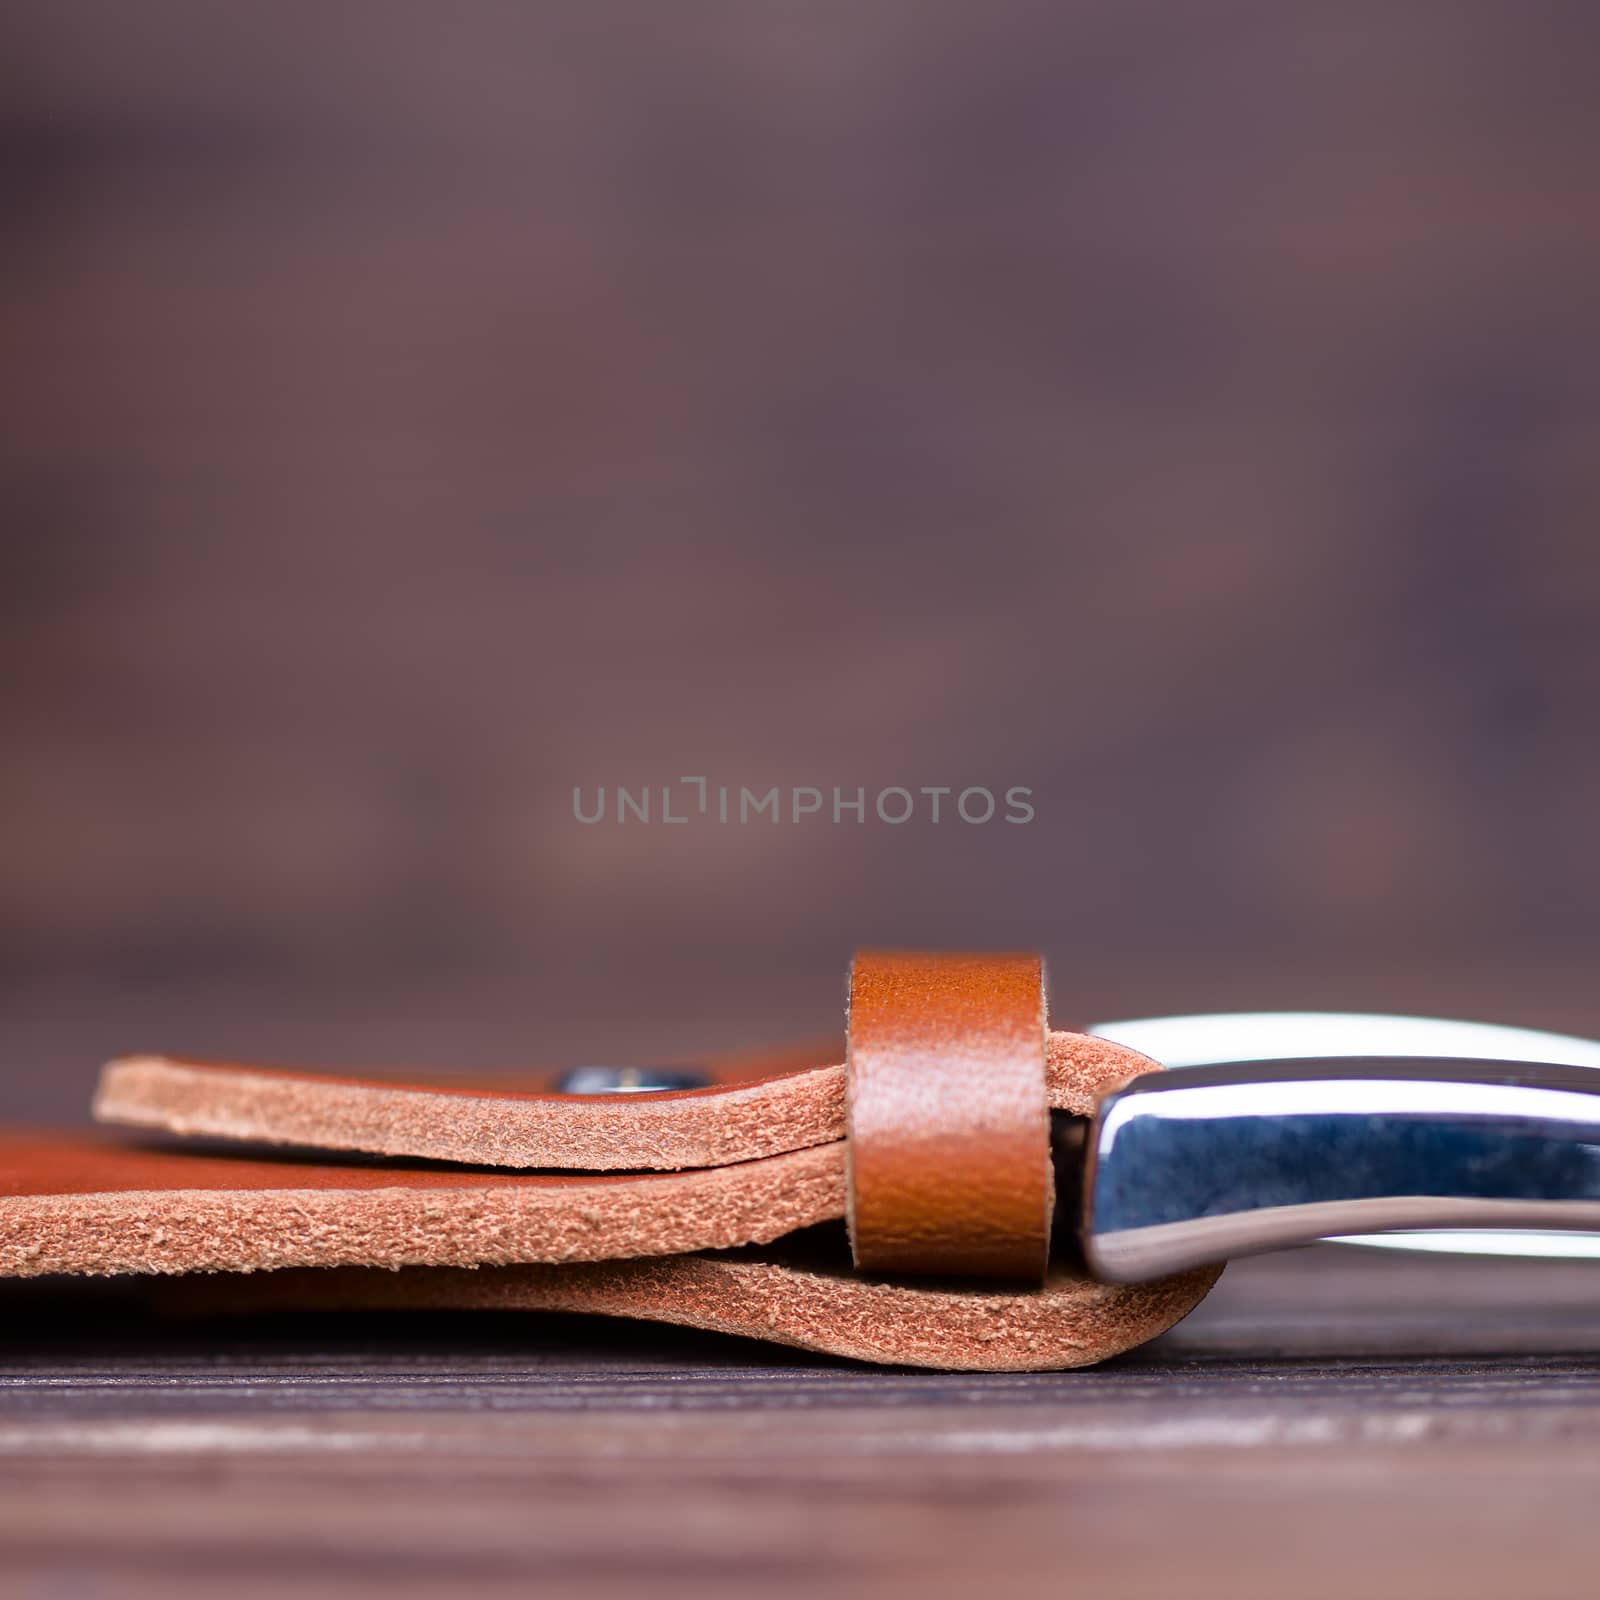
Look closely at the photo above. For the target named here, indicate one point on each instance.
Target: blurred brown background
(408, 412)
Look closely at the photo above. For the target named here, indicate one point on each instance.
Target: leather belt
(941, 1137)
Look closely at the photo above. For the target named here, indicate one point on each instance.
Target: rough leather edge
(663, 1132)
(1071, 1321)
(376, 1218)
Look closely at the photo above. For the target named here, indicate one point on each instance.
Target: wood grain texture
(1330, 1423)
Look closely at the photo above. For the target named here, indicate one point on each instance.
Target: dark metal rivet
(630, 1080)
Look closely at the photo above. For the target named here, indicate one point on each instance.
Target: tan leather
(1070, 1321)
(757, 1109)
(457, 1237)
(88, 1205)
(949, 1115)
(758, 1112)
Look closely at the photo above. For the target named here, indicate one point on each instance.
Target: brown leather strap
(949, 1120)
(86, 1205)
(487, 1121)
(757, 1107)
(1070, 1321)
(81, 1204)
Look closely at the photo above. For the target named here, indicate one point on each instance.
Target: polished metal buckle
(1279, 1128)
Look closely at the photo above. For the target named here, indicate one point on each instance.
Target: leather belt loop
(949, 1120)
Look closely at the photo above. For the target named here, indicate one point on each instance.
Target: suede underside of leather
(1070, 1321)
(91, 1206)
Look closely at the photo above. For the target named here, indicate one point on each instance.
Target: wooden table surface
(1331, 1422)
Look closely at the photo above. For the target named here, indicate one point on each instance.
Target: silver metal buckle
(1370, 1051)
